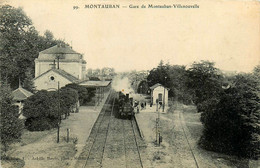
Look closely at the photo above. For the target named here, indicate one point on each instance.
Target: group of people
(138, 104)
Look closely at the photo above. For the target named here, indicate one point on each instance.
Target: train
(125, 106)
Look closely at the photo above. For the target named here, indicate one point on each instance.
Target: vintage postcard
(127, 83)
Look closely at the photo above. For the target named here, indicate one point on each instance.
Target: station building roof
(59, 49)
(156, 85)
(21, 94)
(66, 53)
(95, 83)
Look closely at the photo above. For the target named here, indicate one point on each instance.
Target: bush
(91, 94)
(10, 126)
(85, 95)
(82, 92)
(231, 125)
(41, 110)
(41, 104)
(68, 100)
(204, 81)
(40, 124)
(13, 162)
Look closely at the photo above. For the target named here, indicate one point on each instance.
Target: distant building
(61, 64)
(157, 92)
(19, 95)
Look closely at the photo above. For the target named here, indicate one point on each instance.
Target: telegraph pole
(164, 93)
(98, 95)
(59, 118)
(157, 123)
(158, 142)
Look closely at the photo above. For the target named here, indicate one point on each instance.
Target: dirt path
(179, 148)
(196, 154)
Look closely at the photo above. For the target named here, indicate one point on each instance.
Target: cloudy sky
(226, 32)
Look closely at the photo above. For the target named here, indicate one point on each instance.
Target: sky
(226, 32)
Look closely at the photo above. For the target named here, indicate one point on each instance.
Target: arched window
(160, 97)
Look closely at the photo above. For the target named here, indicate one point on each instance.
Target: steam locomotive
(125, 106)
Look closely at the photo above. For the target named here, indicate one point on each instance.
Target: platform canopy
(95, 83)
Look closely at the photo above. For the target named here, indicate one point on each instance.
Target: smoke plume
(122, 84)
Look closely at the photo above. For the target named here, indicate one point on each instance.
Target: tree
(96, 72)
(20, 44)
(69, 99)
(41, 111)
(204, 81)
(143, 87)
(89, 72)
(48, 35)
(14, 25)
(82, 92)
(11, 126)
(231, 124)
(178, 79)
(41, 104)
(159, 75)
(28, 81)
(256, 70)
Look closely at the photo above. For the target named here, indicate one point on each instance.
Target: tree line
(229, 104)
(45, 108)
(20, 44)
(42, 111)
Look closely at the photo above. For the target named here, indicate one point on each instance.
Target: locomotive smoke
(122, 84)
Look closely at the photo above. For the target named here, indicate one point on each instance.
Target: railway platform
(83, 126)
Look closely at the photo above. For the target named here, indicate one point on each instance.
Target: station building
(158, 91)
(61, 64)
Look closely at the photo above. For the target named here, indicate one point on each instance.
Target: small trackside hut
(160, 93)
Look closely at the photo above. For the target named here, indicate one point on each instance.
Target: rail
(99, 126)
(136, 143)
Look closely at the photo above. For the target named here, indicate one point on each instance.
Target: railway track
(190, 148)
(112, 142)
(132, 152)
(97, 138)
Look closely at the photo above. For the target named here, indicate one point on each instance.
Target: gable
(51, 76)
(60, 72)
